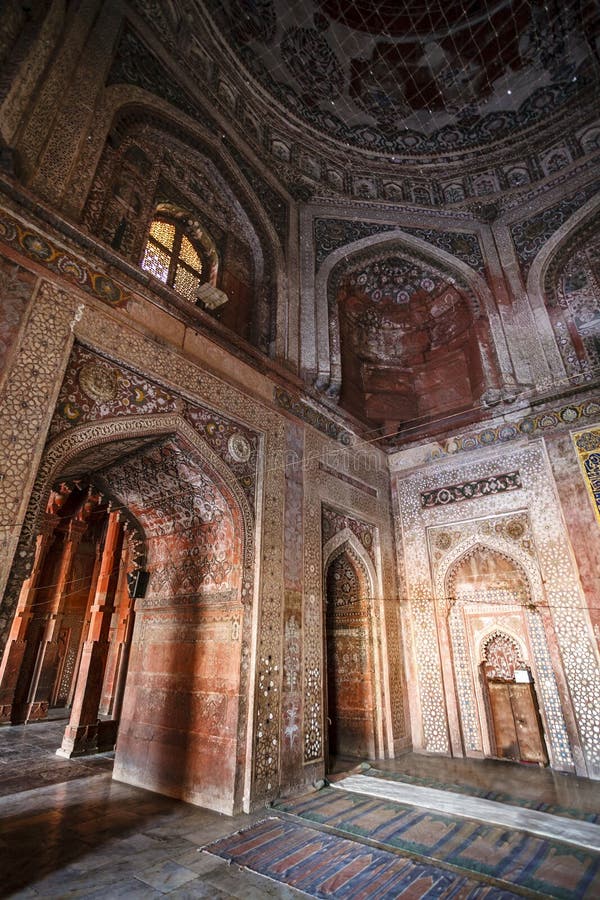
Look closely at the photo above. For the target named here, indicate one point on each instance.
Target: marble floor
(68, 830)
(543, 786)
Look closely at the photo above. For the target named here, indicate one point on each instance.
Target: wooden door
(516, 722)
(527, 723)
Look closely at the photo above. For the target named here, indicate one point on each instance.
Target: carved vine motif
(454, 493)
(501, 656)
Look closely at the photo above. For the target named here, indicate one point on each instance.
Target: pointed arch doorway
(493, 658)
(350, 689)
(182, 724)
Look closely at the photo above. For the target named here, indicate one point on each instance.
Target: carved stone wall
(339, 509)
(29, 403)
(527, 526)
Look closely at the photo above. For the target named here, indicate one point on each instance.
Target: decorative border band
(468, 490)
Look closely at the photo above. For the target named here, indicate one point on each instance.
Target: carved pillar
(82, 734)
(484, 367)
(86, 619)
(17, 642)
(47, 661)
(118, 633)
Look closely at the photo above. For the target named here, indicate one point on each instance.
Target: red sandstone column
(124, 649)
(44, 673)
(86, 619)
(117, 635)
(81, 734)
(17, 642)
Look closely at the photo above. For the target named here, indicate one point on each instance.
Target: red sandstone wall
(180, 716)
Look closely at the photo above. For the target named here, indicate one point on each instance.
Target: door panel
(505, 734)
(531, 744)
(516, 722)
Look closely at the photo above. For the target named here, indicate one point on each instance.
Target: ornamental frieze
(468, 490)
(40, 249)
(311, 416)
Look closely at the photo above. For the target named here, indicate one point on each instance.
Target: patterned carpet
(324, 865)
(524, 861)
(473, 791)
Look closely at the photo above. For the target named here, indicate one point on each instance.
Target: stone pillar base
(21, 713)
(87, 740)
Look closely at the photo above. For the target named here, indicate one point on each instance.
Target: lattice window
(172, 258)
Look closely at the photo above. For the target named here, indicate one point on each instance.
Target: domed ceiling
(414, 76)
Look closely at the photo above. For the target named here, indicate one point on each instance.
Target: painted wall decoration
(530, 236)
(454, 493)
(311, 415)
(67, 265)
(330, 234)
(523, 426)
(587, 444)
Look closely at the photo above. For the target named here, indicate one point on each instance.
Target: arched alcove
(151, 162)
(562, 286)
(489, 587)
(350, 666)
(411, 338)
(487, 571)
(572, 292)
(185, 706)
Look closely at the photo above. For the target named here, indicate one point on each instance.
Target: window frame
(174, 254)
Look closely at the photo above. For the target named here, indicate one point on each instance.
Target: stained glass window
(171, 257)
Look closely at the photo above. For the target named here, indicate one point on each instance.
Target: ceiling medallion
(97, 382)
(239, 447)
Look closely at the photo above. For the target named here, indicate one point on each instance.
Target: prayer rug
(324, 866)
(545, 866)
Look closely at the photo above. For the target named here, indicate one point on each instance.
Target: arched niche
(186, 705)
(408, 338)
(483, 570)
(485, 585)
(561, 286)
(151, 155)
(350, 690)
(572, 292)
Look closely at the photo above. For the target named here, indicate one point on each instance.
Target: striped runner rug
(325, 865)
(546, 867)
